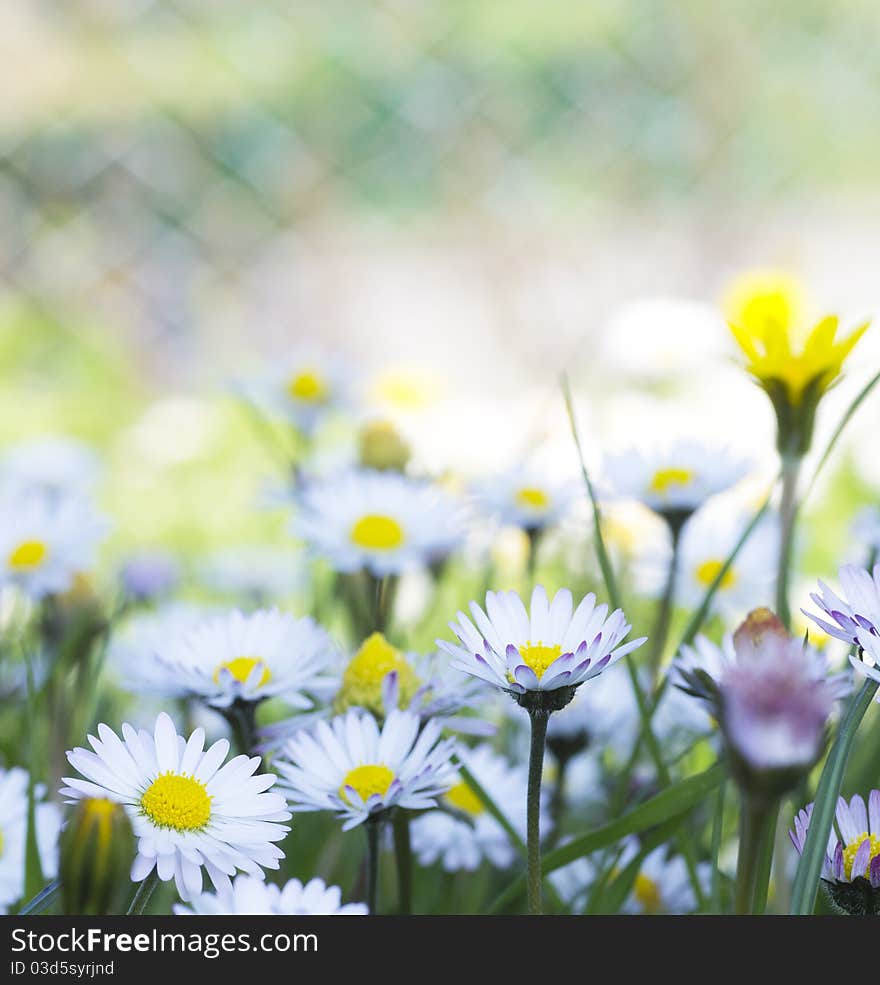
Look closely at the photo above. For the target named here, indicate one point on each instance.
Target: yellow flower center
(367, 669)
(667, 480)
(241, 668)
(367, 780)
(539, 657)
(647, 894)
(377, 532)
(1, 844)
(28, 555)
(464, 799)
(178, 801)
(532, 498)
(707, 572)
(849, 853)
(308, 386)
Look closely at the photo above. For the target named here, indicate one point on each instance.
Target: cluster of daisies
(489, 742)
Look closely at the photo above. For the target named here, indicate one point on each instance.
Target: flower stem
(756, 838)
(403, 860)
(373, 825)
(539, 718)
(242, 718)
(660, 632)
(142, 894)
(787, 515)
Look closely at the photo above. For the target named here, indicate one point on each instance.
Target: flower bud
(381, 447)
(97, 848)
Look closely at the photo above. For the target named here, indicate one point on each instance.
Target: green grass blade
(491, 806)
(601, 551)
(674, 802)
(806, 881)
(838, 431)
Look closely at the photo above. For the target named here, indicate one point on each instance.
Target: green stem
(33, 869)
(756, 836)
(43, 899)
(788, 508)
(717, 835)
(539, 718)
(373, 825)
(242, 718)
(142, 894)
(806, 882)
(403, 861)
(660, 631)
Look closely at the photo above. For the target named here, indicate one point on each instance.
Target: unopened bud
(381, 447)
(97, 848)
(758, 625)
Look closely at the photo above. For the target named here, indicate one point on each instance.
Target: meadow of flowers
(606, 692)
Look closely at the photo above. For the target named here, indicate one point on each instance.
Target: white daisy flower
(548, 648)
(188, 807)
(303, 388)
(53, 466)
(256, 897)
(380, 521)
(351, 767)
(707, 541)
(464, 833)
(46, 542)
(853, 852)
(237, 657)
(13, 835)
(662, 884)
(674, 480)
(524, 498)
(854, 617)
(135, 643)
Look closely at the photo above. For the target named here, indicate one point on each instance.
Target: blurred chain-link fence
(168, 167)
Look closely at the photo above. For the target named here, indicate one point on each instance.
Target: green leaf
(490, 805)
(838, 431)
(673, 802)
(806, 881)
(699, 617)
(601, 551)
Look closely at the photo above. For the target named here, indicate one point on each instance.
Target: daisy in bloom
(45, 542)
(304, 388)
(53, 466)
(352, 767)
(463, 833)
(662, 884)
(524, 498)
(548, 647)
(380, 677)
(854, 617)
(379, 521)
(851, 869)
(189, 808)
(707, 541)
(256, 897)
(676, 480)
(237, 657)
(13, 833)
(135, 643)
